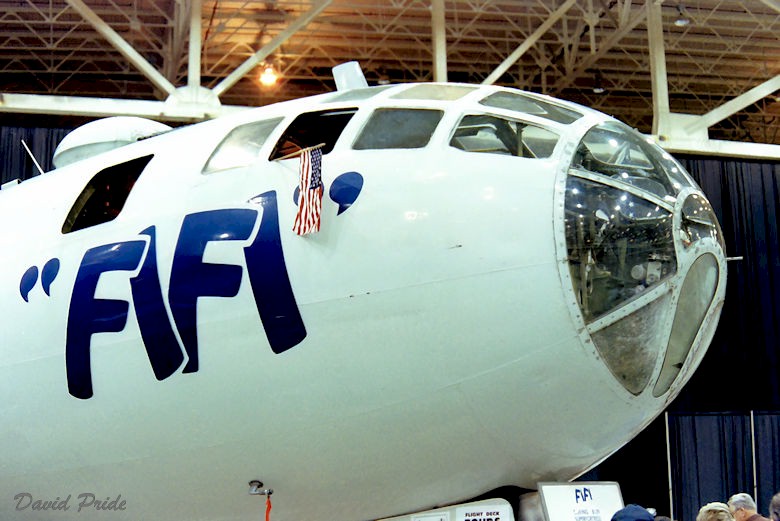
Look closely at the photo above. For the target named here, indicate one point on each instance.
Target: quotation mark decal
(30, 278)
(343, 191)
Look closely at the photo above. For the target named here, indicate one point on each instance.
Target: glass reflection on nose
(618, 245)
(629, 347)
(696, 296)
(699, 222)
(645, 265)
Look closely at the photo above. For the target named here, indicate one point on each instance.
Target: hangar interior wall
(716, 455)
(15, 163)
(741, 370)
(713, 452)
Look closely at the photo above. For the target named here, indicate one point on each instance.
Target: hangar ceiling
(563, 48)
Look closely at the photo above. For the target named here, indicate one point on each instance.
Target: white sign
(497, 511)
(580, 501)
(439, 516)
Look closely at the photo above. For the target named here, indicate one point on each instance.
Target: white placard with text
(580, 501)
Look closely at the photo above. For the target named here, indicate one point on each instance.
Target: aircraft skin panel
(250, 424)
(425, 346)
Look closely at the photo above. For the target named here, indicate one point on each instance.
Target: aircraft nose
(645, 258)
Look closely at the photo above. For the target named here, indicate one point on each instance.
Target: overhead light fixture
(682, 17)
(598, 86)
(269, 76)
(383, 77)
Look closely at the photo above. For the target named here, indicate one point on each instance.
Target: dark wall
(15, 162)
(640, 468)
(740, 371)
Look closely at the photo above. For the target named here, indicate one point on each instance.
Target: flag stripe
(307, 220)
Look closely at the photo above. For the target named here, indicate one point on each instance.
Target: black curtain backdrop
(716, 455)
(712, 459)
(767, 432)
(710, 442)
(15, 163)
(740, 371)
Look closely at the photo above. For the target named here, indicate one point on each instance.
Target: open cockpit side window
(105, 195)
(311, 129)
(500, 135)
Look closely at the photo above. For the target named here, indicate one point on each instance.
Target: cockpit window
(311, 129)
(427, 91)
(530, 105)
(398, 128)
(105, 195)
(614, 150)
(241, 147)
(619, 245)
(498, 135)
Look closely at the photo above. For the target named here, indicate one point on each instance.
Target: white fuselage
(444, 352)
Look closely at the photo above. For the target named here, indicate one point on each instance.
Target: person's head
(742, 506)
(716, 511)
(632, 513)
(774, 507)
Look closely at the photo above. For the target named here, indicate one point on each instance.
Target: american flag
(310, 197)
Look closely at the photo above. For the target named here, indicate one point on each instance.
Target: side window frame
(224, 158)
(310, 129)
(104, 196)
(614, 159)
(505, 133)
(391, 128)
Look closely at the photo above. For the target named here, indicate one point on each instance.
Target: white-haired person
(774, 507)
(715, 511)
(743, 508)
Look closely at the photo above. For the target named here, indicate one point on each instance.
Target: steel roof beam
(605, 46)
(301, 22)
(774, 4)
(123, 47)
(733, 106)
(528, 43)
(193, 63)
(103, 107)
(658, 79)
(439, 41)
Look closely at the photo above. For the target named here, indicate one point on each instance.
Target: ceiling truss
(701, 86)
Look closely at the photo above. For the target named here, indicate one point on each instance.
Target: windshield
(620, 153)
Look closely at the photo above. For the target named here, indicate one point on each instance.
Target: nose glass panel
(618, 245)
(696, 296)
(617, 152)
(629, 347)
(699, 221)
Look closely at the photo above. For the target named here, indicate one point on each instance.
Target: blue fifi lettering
(89, 315)
(162, 347)
(273, 294)
(582, 494)
(191, 278)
